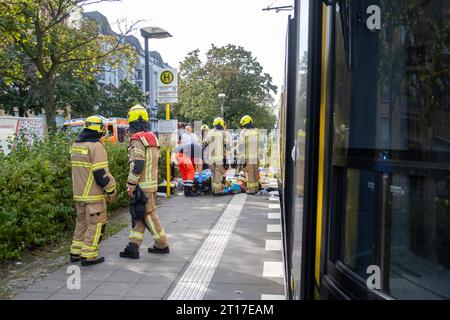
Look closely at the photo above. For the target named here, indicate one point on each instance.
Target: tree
(77, 95)
(230, 70)
(18, 85)
(56, 44)
(115, 102)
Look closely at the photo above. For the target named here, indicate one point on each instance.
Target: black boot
(75, 257)
(158, 250)
(131, 251)
(85, 262)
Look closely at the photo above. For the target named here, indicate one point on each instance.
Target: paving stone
(86, 288)
(159, 277)
(103, 297)
(64, 296)
(152, 292)
(47, 286)
(169, 267)
(32, 296)
(141, 298)
(173, 257)
(125, 276)
(59, 274)
(222, 291)
(113, 289)
(95, 274)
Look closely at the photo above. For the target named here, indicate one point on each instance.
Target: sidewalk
(189, 223)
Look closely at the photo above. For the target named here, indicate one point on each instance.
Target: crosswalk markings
(274, 199)
(273, 269)
(273, 228)
(273, 245)
(272, 297)
(274, 206)
(274, 215)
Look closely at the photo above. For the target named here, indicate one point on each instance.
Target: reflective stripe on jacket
(249, 138)
(147, 178)
(218, 142)
(85, 159)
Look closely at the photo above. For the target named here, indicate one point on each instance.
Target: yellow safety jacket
(143, 158)
(249, 139)
(217, 143)
(90, 173)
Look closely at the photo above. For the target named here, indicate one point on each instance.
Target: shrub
(36, 205)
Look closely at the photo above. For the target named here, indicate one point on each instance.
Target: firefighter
(216, 143)
(249, 141)
(93, 186)
(205, 130)
(143, 153)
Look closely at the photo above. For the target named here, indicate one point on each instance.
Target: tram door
(292, 257)
(297, 174)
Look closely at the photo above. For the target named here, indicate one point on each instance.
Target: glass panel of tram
(392, 147)
(302, 12)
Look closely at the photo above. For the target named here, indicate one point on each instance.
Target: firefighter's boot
(158, 250)
(131, 251)
(188, 191)
(85, 262)
(75, 257)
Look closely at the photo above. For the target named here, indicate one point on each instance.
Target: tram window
(358, 221)
(419, 231)
(391, 115)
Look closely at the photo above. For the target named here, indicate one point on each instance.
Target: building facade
(114, 76)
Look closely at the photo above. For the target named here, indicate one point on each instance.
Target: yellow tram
(365, 120)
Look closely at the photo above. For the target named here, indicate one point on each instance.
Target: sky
(199, 23)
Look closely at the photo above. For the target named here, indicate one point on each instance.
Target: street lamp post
(222, 97)
(151, 33)
(156, 33)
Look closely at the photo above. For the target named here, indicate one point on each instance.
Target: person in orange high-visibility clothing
(185, 157)
(93, 185)
(187, 171)
(143, 152)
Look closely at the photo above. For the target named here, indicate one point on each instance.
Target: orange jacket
(187, 170)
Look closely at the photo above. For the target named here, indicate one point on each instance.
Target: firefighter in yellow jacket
(249, 140)
(216, 153)
(143, 153)
(93, 186)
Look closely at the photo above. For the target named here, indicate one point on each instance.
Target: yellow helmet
(137, 112)
(205, 127)
(219, 121)
(94, 123)
(246, 120)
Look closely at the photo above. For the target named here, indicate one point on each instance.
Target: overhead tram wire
(279, 8)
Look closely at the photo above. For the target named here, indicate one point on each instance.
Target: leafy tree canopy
(116, 102)
(230, 70)
(57, 41)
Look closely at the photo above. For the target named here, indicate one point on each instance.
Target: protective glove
(111, 197)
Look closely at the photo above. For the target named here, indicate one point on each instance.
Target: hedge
(36, 206)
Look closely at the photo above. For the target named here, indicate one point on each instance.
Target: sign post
(168, 93)
(168, 154)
